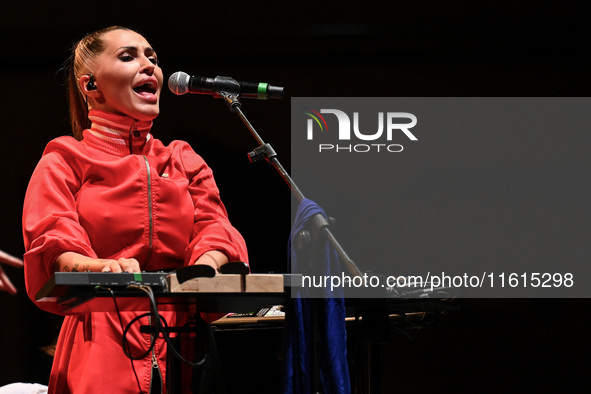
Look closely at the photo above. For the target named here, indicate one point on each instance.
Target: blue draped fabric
(298, 376)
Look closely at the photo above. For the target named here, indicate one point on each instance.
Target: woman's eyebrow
(134, 48)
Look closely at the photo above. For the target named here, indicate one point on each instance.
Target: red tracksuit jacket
(158, 204)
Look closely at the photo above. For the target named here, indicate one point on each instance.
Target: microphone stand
(265, 151)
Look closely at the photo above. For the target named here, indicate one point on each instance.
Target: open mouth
(147, 87)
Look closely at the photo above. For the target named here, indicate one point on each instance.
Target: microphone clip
(231, 100)
(225, 84)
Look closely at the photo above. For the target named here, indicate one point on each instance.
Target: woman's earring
(90, 85)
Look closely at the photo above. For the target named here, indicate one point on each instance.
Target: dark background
(397, 48)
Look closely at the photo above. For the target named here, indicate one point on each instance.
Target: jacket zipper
(155, 367)
(150, 210)
(132, 132)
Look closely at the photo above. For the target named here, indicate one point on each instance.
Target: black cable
(125, 342)
(126, 349)
(160, 330)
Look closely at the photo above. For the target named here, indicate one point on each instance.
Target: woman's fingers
(129, 265)
(121, 265)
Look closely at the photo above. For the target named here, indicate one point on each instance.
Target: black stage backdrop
(389, 48)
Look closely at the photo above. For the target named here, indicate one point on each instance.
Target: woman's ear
(87, 85)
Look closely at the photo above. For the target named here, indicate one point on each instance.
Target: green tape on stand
(262, 90)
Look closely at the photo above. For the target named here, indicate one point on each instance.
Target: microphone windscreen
(178, 83)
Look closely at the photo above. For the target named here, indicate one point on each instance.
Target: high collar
(118, 132)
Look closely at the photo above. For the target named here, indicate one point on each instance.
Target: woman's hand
(75, 262)
(212, 258)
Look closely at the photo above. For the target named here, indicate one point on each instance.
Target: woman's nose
(147, 66)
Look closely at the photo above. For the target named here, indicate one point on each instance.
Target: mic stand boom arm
(265, 151)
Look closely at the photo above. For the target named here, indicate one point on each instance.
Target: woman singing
(115, 199)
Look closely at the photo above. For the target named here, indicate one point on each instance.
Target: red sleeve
(50, 221)
(212, 229)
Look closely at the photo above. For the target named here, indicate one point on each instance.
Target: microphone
(182, 83)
